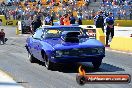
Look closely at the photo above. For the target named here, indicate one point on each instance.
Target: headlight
(66, 52)
(59, 53)
(101, 50)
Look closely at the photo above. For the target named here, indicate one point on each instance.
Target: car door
(37, 44)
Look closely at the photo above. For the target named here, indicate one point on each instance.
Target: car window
(53, 33)
(57, 32)
(38, 34)
(91, 33)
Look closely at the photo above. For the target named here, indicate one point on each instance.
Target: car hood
(59, 44)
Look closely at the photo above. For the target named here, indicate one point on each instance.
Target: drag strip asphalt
(14, 61)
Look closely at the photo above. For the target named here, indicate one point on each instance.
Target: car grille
(80, 52)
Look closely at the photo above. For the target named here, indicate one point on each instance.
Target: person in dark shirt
(48, 20)
(36, 24)
(79, 21)
(109, 27)
(52, 20)
(72, 19)
(99, 20)
(2, 36)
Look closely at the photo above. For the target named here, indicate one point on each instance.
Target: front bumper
(69, 59)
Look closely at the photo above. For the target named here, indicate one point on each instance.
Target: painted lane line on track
(129, 53)
(7, 81)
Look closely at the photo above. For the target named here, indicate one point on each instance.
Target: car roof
(61, 26)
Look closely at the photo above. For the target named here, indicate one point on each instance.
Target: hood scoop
(71, 37)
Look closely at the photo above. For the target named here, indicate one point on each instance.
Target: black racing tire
(96, 64)
(32, 59)
(48, 64)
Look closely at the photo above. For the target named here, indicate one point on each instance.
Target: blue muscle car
(64, 44)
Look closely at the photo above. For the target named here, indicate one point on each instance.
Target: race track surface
(14, 61)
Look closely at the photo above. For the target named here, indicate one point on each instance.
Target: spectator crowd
(26, 9)
(121, 9)
(67, 12)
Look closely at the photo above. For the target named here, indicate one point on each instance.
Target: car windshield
(52, 33)
(57, 32)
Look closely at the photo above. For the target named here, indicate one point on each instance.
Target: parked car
(64, 44)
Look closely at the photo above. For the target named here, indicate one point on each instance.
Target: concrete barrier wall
(3, 20)
(11, 22)
(88, 22)
(121, 43)
(100, 35)
(8, 22)
(126, 23)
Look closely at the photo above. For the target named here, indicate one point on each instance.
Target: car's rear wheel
(32, 59)
(48, 64)
(96, 64)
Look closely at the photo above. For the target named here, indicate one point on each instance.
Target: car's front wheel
(48, 64)
(96, 64)
(32, 59)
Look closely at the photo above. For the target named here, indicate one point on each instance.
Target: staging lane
(14, 61)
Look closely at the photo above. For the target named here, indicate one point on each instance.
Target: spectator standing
(80, 18)
(79, 21)
(92, 13)
(0, 22)
(32, 14)
(124, 14)
(48, 20)
(61, 20)
(14, 14)
(36, 24)
(2, 36)
(99, 20)
(72, 19)
(119, 15)
(109, 27)
(52, 20)
(66, 20)
(87, 3)
(130, 14)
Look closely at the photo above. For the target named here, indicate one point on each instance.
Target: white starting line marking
(118, 51)
(26, 35)
(7, 82)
